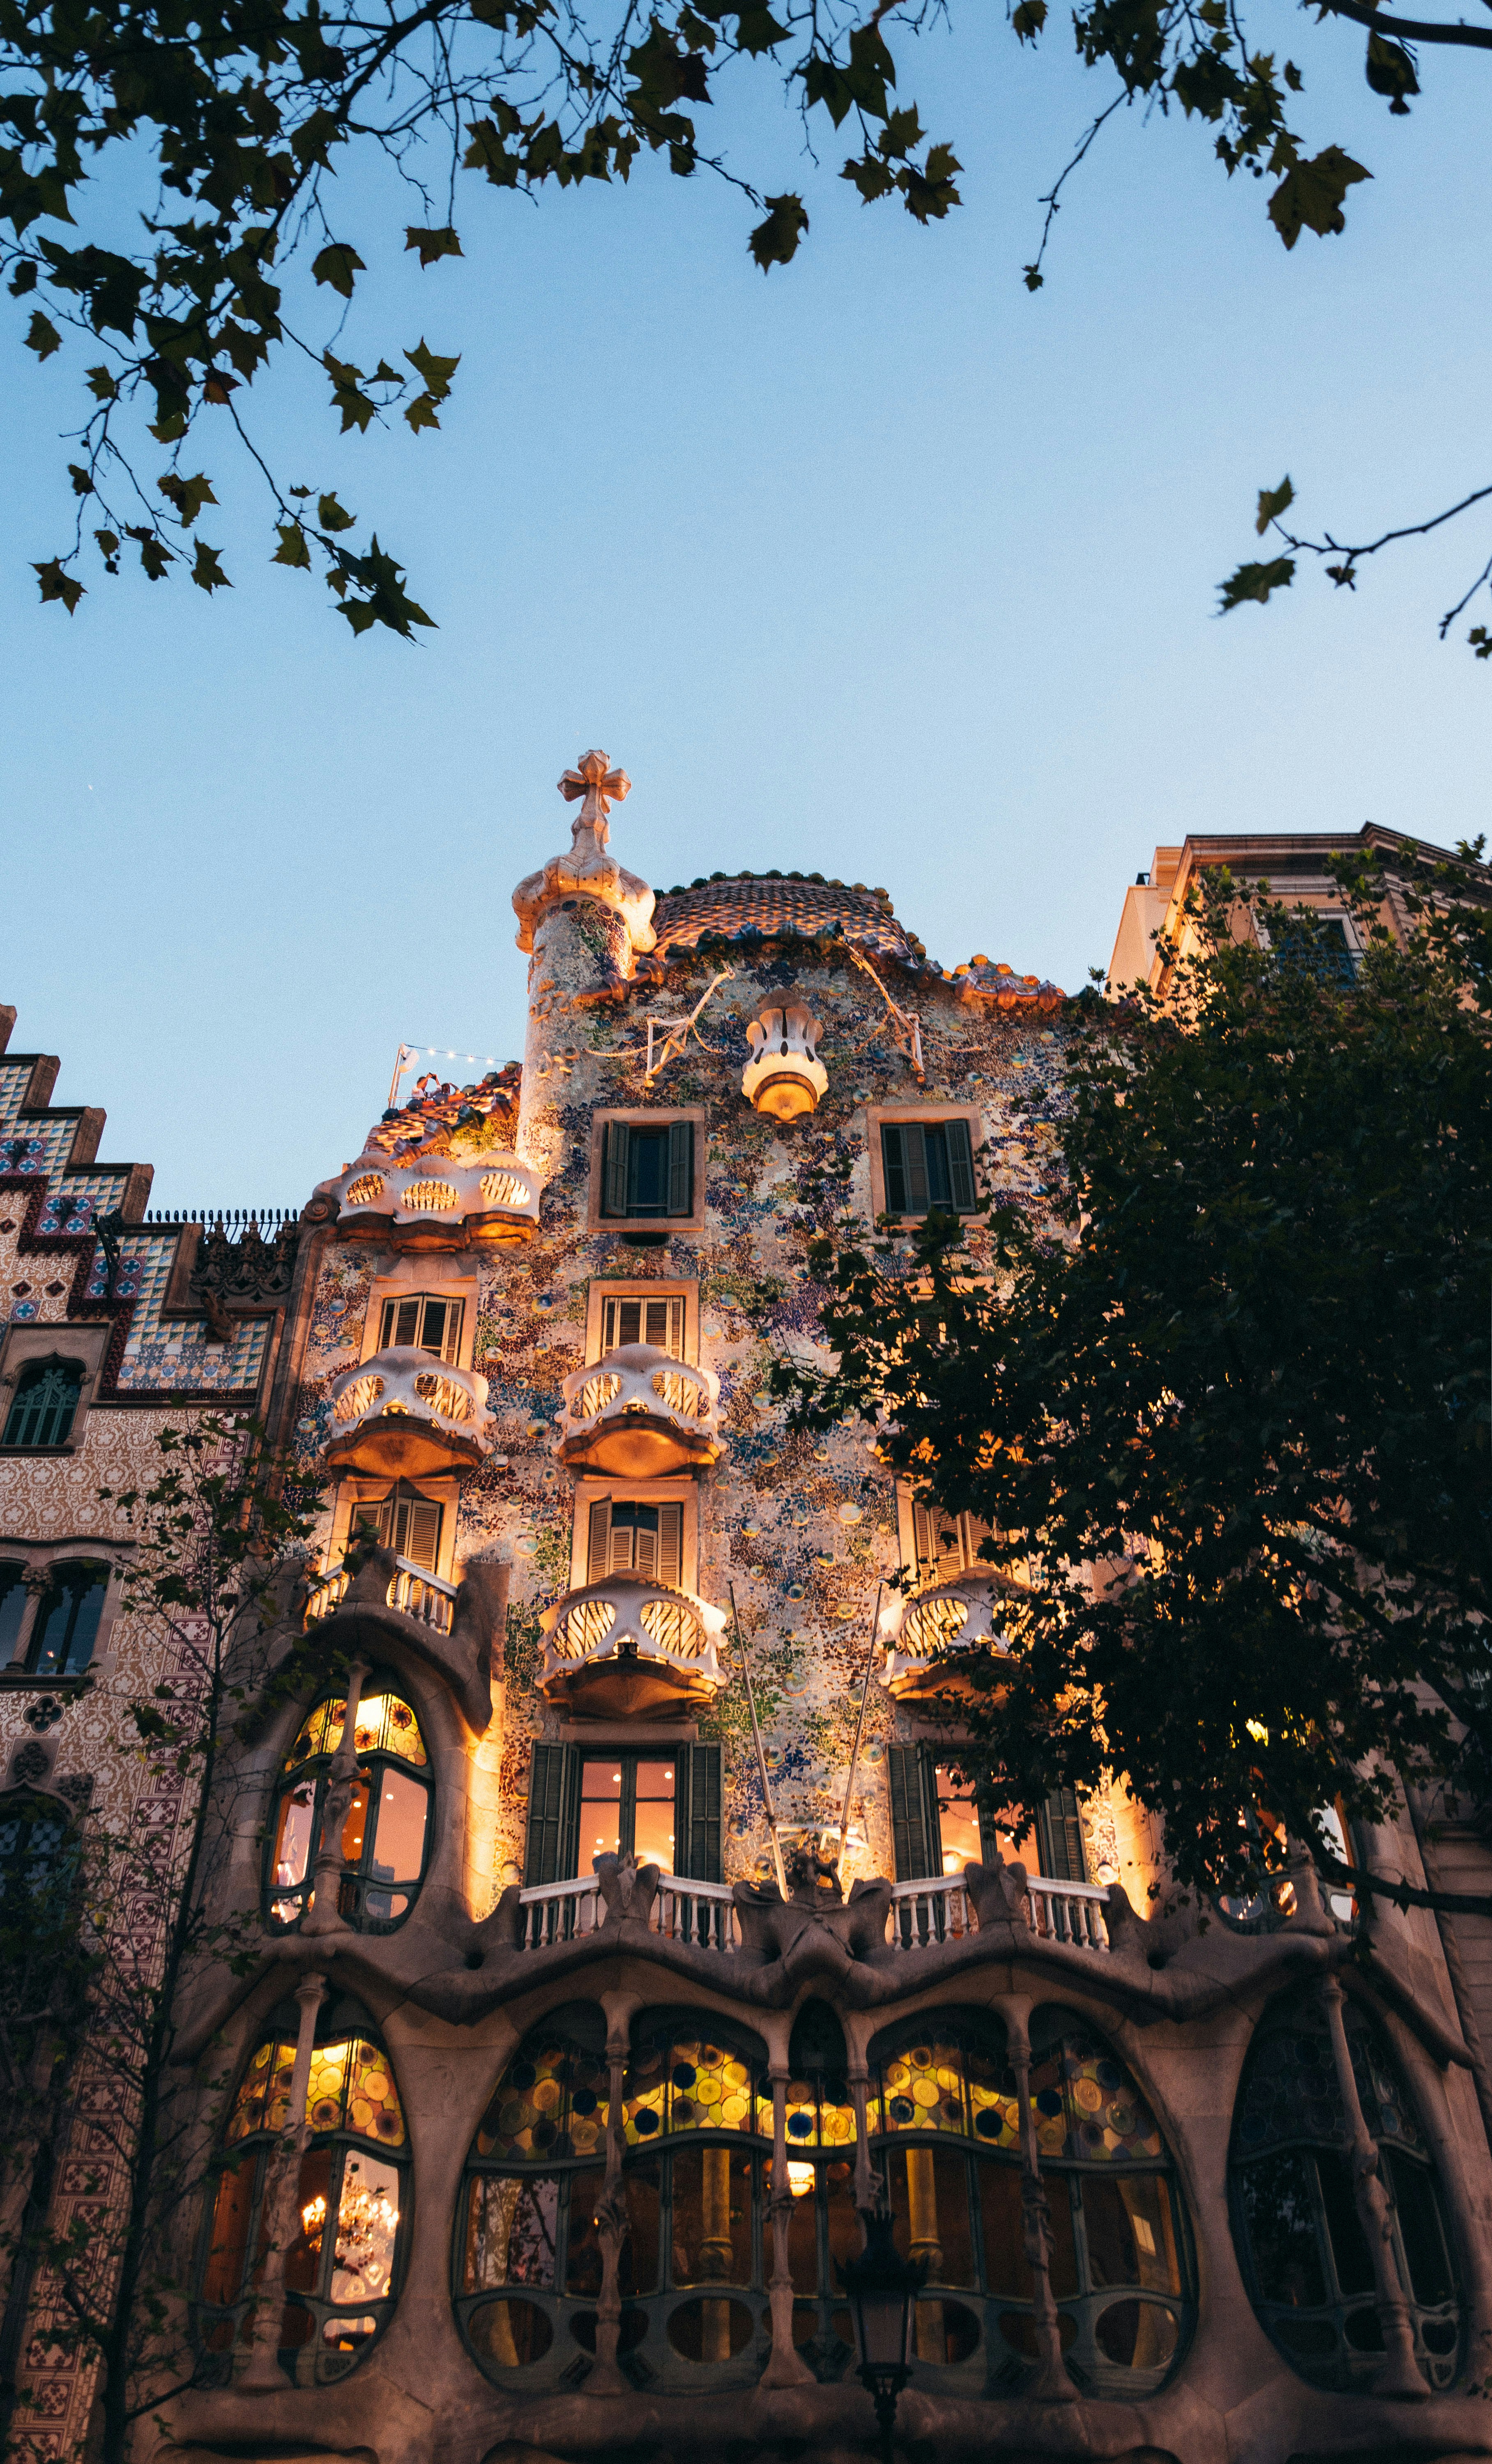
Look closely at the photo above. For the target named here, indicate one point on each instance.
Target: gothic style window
(626, 1536)
(644, 1317)
(945, 2129)
(425, 1319)
(44, 1404)
(341, 2270)
(927, 1165)
(66, 1625)
(647, 1172)
(386, 1830)
(664, 1809)
(405, 1522)
(14, 1598)
(1305, 2259)
(38, 1862)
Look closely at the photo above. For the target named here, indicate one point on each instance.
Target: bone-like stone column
(1051, 2384)
(924, 2243)
(606, 2376)
(715, 2249)
(1401, 2374)
(261, 2371)
(785, 2367)
(324, 1917)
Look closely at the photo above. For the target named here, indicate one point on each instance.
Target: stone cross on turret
(593, 778)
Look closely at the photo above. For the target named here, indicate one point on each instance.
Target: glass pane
(583, 2265)
(1130, 2241)
(1279, 2200)
(1348, 2244)
(326, 2088)
(264, 2094)
(1006, 2268)
(303, 2257)
(929, 2212)
(510, 2231)
(1137, 2335)
(399, 1835)
(958, 1821)
(13, 1608)
(367, 2220)
(802, 2226)
(647, 1157)
(293, 1843)
(712, 2215)
(1088, 2105)
(639, 2272)
(600, 1811)
(1420, 2228)
(550, 2097)
(653, 1822)
(222, 2279)
(385, 1723)
(923, 2088)
(372, 2098)
(845, 2236)
(354, 1830)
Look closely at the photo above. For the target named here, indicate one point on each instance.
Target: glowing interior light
(800, 2179)
(312, 2217)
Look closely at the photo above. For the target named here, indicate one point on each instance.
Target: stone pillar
(786, 2366)
(922, 2204)
(262, 2372)
(1401, 2374)
(1051, 2384)
(715, 2250)
(606, 2377)
(325, 1916)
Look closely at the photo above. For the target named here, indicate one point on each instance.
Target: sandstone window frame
(603, 1288)
(595, 1486)
(912, 1541)
(28, 1345)
(359, 1489)
(644, 1116)
(419, 1277)
(40, 1560)
(880, 1116)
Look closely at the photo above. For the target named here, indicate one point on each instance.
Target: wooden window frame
(879, 1116)
(361, 1488)
(628, 1288)
(561, 1779)
(636, 1493)
(658, 1116)
(430, 1283)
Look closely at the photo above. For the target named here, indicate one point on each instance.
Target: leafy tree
(227, 125)
(1230, 1421)
(123, 1920)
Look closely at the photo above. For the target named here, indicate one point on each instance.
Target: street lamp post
(881, 2288)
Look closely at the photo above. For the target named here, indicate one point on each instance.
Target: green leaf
(1310, 197)
(1389, 70)
(757, 29)
(1256, 582)
(930, 192)
(775, 241)
(206, 571)
(1479, 637)
(873, 177)
(1028, 20)
(435, 372)
(154, 554)
(292, 548)
(333, 516)
(82, 482)
(357, 408)
(430, 244)
(42, 338)
(57, 584)
(186, 495)
(101, 384)
(422, 412)
(337, 264)
(1272, 503)
(385, 601)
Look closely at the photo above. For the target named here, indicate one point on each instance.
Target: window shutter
(613, 1169)
(923, 1541)
(598, 1541)
(892, 1158)
(680, 1166)
(908, 1812)
(553, 1814)
(697, 1812)
(915, 1153)
(422, 1545)
(405, 1315)
(1060, 1839)
(645, 1562)
(961, 1168)
(671, 1546)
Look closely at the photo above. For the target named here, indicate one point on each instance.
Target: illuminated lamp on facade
(785, 1076)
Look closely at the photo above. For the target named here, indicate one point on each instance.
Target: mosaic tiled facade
(652, 2033)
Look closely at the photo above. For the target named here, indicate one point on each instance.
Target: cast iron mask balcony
(927, 1638)
(404, 1413)
(495, 1198)
(628, 1649)
(639, 1413)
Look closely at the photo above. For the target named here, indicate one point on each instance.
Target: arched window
(14, 1598)
(386, 1834)
(696, 2134)
(945, 2117)
(39, 1864)
(44, 1404)
(342, 2271)
(66, 1625)
(1305, 2256)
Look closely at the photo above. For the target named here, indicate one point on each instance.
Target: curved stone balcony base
(432, 1203)
(625, 1648)
(640, 1413)
(936, 1642)
(402, 1414)
(447, 1626)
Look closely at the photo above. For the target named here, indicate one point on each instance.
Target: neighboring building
(592, 2103)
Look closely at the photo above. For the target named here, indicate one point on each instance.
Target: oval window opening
(511, 2334)
(946, 2331)
(710, 2330)
(1019, 2331)
(629, 2334)
(1137, 2335)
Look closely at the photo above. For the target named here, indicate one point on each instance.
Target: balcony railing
(630, 1647)
(922, 1913)
(926, 1638)
(413, 1589)
(496, 1194)
(640, 1414)
(405, 1414)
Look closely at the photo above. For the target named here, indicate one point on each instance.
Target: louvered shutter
(908, 1812)
(697, 1812)
(553, 1814)
(644, 1561)
(422, 1542)
(892, 1157)
(614, 1171)
(598, 1541)
(680, 1166)
(1060, 1839)
(915, 1152)
(961, 1168)
(671, 1546)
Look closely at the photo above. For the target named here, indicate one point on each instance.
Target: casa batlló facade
(602, 1989)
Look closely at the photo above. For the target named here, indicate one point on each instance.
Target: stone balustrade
(626, 1648)
(404, 1413)
(431, 1201)
(925, 1637)
(640, 1413)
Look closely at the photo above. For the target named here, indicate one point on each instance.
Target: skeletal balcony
(639, 1413)
(629, 1649)
(934, 1642)
(785, 1076)
(404, 1413)
(432, 1203)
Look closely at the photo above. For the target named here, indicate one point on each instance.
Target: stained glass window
(680, 2079)
(339, 2284)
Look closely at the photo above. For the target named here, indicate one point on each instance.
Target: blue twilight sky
(878, 566)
